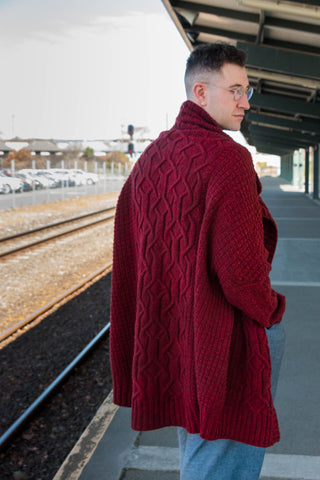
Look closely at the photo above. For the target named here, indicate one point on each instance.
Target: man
(193, 317)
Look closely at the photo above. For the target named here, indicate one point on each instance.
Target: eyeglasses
(238, 92)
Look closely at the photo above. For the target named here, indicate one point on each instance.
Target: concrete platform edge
(88, 442)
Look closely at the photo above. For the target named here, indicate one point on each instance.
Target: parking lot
(31, 187)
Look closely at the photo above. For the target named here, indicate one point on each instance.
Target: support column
(306, 171)
(316, 172)
(287, 167)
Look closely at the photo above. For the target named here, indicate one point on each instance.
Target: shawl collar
(193, 117)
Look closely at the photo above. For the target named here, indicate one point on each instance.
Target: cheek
(220, 109)
(217, 108)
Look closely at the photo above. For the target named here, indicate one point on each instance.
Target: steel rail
(55, 236)
(54, 224)
(39, 402)
(30, 318)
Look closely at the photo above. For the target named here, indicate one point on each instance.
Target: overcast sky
(79, 69)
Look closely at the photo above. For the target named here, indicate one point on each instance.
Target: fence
(40, 185)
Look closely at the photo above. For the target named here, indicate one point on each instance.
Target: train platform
(110, 450)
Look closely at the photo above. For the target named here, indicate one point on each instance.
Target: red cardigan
(191, 294)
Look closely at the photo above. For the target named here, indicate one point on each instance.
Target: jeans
(226, 459)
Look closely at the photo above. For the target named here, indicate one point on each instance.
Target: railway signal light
(130, 148)
(130, 130)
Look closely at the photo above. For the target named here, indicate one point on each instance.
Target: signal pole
(131, 144)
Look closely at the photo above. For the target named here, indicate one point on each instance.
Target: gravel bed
(32, 361)
(33, 216)
(30, 279)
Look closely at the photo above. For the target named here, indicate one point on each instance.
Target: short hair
(209, 58)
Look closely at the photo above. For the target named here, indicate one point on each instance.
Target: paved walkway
(123, 454)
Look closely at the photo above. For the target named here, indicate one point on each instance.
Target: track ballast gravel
(32, 361)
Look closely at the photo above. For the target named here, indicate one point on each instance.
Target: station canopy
(282, 43)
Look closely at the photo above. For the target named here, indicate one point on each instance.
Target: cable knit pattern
(191, 295)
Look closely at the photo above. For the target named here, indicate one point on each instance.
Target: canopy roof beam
(272, 149)
(245, 16)
(283, 135)
(285, 104)
(282, 61)
(302, 126)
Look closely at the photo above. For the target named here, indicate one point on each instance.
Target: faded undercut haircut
(207, 59)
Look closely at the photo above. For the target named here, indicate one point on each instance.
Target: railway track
(56, 301)
(15, 429)
(18, 242)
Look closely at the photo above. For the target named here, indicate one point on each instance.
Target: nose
(244, 102)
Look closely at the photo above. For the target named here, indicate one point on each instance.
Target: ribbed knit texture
(191, 294)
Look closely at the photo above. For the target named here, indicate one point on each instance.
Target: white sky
(85, 69)
(79, 69)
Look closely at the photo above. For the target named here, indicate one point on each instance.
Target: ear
(200, 94)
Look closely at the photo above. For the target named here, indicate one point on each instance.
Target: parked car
(45, 177)
(10, 184)
(27, 183)
(33, 173)
(6, 171)
(78, 177)
(64, 175)
(30, 179)
(88, 178)
(54, 178)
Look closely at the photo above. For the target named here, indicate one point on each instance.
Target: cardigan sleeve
(123, 299)
(238, 254)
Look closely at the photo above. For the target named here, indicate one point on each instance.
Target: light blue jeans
(226, 459)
